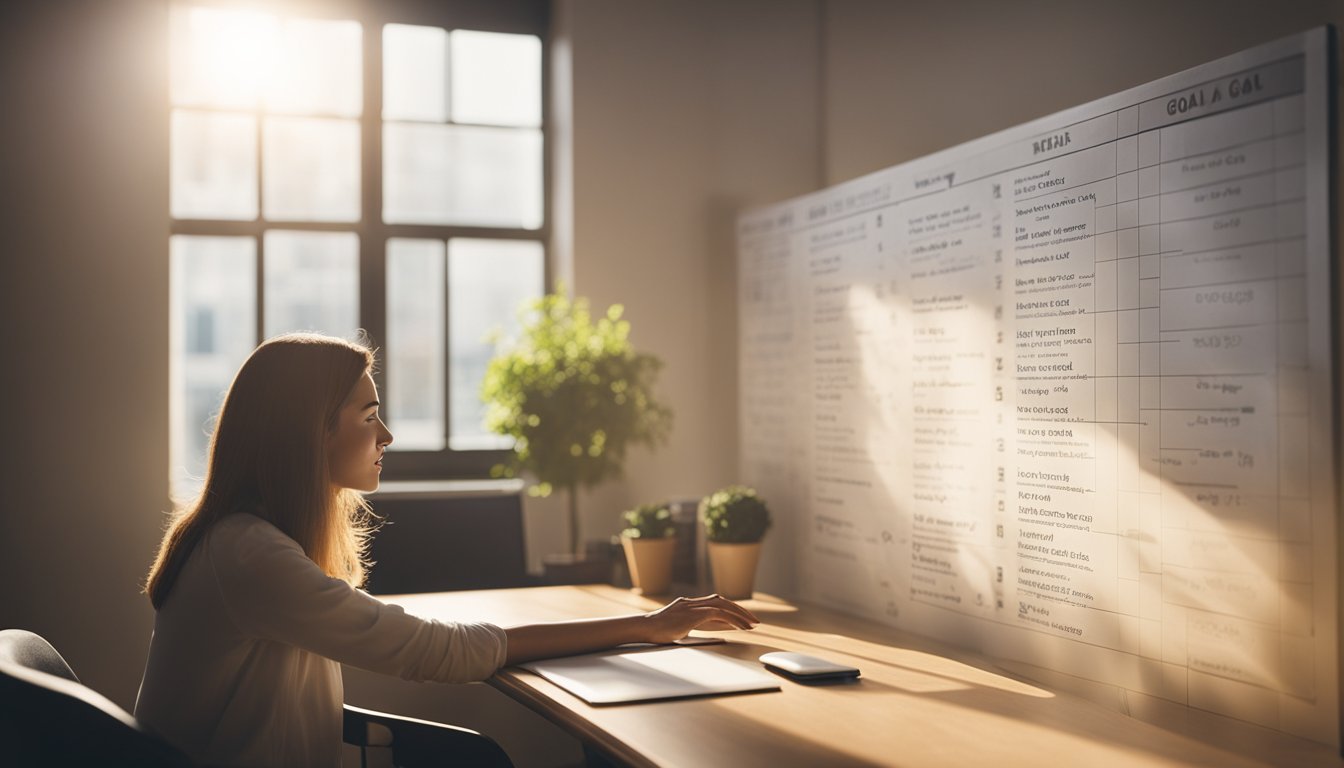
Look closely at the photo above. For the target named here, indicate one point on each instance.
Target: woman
(255, 583)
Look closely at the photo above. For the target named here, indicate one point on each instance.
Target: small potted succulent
(735, 521)
(649, 540)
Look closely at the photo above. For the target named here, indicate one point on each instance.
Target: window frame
(509, 16)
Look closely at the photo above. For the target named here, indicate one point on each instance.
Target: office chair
(47, 717)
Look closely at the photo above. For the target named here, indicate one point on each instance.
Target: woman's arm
(671, 622)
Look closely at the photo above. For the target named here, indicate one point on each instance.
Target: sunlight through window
(276, 226)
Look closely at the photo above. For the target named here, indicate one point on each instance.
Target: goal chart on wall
(1063, 393)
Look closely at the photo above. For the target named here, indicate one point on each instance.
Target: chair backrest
(439, 543)
(47, 717)
(19, 646)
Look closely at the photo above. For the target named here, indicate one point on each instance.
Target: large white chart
(1064, 393)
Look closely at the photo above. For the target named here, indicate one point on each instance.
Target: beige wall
(84, 297)
(682, 113)
(905, 79)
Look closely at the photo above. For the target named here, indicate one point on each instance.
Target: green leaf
(573, 394)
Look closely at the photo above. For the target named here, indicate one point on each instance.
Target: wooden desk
(919, 702)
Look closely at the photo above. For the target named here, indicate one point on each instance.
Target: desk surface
(919, 702)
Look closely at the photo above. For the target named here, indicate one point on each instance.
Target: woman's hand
(674, 620)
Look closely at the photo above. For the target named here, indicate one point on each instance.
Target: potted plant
(735, 521)
(574, 396)
(649, 541)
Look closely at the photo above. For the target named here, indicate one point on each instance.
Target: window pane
(310, 169)
(312, 282)
(214, 166)
(415, 67)
(442, 174)
(415, 334)
(220, 58)
(212, 330)
(319, 69)
(496, 78)
(488, 281)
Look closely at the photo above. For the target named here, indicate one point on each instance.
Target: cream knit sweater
(244, 664)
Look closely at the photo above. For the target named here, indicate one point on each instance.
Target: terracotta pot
(734, 568)
(650, 563)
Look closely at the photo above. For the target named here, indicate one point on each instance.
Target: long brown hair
(268, 457)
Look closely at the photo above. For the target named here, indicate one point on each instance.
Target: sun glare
(221, 58)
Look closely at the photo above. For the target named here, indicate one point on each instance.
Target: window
(380, 170)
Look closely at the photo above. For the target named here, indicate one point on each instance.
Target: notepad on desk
(626, 676)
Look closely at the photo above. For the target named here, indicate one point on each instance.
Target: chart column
(1116, 486)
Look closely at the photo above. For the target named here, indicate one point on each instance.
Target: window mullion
(446, 231)
(547, 156)
(261, 228)
(447, 351)
(373, 237)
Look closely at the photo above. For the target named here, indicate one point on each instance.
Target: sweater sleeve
(273, 591)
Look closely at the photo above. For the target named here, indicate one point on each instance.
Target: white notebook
(624, 675)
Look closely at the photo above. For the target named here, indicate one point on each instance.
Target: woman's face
(355, 450)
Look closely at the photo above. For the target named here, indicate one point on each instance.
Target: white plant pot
(650, 563)
(734, 568)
